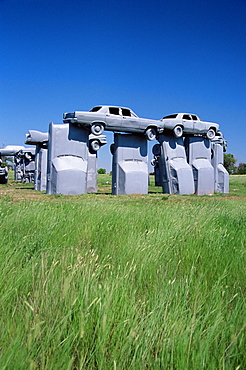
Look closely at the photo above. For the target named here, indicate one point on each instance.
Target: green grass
(128, 282)
(238, 185)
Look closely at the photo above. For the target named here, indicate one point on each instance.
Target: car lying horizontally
(112, 118)
(190, 124)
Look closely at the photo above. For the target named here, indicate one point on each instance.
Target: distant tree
(241, 170)
(229, 163)
(101, 171)
(7, 161)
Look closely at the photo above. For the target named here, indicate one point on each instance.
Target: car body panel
(191, 123)
(113, 118)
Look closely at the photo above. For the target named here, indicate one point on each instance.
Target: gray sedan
(186, 123)
(113, 118)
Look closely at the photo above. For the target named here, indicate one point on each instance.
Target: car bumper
(70, 120)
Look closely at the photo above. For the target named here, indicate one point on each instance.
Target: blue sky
(156, 57)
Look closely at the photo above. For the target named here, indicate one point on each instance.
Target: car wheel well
(151, 126)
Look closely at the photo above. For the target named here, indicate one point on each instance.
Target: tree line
(230, 165)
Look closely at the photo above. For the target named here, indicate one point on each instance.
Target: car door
(199, 126)
(114, 118)
(187, 123)
(130, 122)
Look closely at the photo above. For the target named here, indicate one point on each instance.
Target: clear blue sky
(156, 57)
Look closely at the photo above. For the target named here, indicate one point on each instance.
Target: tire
(156, 150)
(150, 133)
(97, 129)
(210, 134)
(95, 145)
(178, 131)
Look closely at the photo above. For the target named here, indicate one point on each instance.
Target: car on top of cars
(189, 124)
(114, 118)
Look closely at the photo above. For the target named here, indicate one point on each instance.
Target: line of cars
(121, 119)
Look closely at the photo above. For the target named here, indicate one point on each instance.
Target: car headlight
(68, 115)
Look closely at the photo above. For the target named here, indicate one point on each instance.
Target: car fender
(213, 128)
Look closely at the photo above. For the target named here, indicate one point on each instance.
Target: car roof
(111, 106)
(181, 113)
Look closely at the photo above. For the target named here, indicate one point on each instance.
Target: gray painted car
(96, 142)
(3, 173)
(114, 118)
(186, 123)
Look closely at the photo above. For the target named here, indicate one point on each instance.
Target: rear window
(171, 116)
(95, 109)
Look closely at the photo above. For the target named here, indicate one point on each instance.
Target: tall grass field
(98, 281)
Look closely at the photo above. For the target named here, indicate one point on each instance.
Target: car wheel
(150, 133)
(156, 150)
(95, 145)
(97, 129)
(210, 134)
(178, 131)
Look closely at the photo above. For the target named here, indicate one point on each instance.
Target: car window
(186, 116)
(195, 118)
(95, 109)
(114, 110)
(126, 112)
(171, 116)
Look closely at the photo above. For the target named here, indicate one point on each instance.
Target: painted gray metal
(186, 123)
(40, 178)
(67, 159)
(40, 139)
(198, 152)
(221, 176)
(129, 165)
(25, 165)
(34, 137)
(95, 143)
(3, 173)
(114, 118)
(175, 174)
(11, 150)
(92, 172)
(23, 161)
